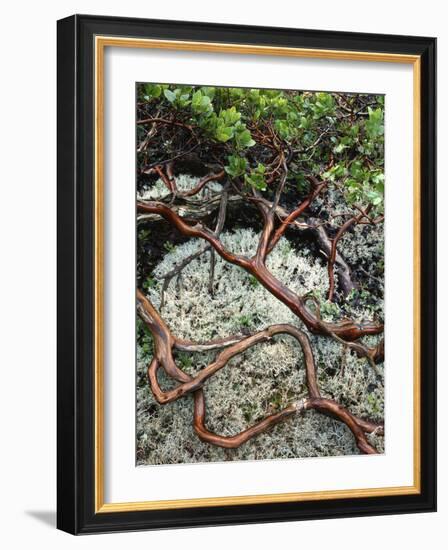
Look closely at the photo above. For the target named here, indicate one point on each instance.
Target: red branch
(317, 188)
(165, 342)
(331, 260)
(346, 329)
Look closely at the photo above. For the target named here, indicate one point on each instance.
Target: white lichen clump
(239, 300)
(259, 382)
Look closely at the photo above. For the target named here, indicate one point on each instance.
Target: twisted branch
(332, 259)
(165, 342)
(347, 330)
(185, 210)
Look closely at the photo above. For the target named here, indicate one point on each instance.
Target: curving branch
(165, 342)
(332, 259)
(345, 279)
(346, 329)
(201, 184)
(174, 138)
(292, 217)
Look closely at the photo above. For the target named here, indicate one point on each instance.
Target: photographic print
(231, 265)
(260, 274)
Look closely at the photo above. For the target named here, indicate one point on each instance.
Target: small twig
(167, 278)
(379, 281)
(332, 258)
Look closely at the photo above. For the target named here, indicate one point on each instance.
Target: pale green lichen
(158, 190)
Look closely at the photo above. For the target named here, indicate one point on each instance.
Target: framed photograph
(246, 274)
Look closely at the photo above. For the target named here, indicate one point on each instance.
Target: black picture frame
(76, 271)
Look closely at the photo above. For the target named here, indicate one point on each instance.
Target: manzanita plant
(280, 156)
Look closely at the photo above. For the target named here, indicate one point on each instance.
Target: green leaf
(352, 184)
(230, 116)
(236, 166)
(337, 171)
(378, 177)
(208, 91)
(153, 91)
(377, 200)
(324, 105)
(223, 133)
(283, 128)
(201, 104)
(356, 169)
(171, 96)
(305, 123)
(183, 100)
(373, 197)
(374, 124)
(243, 137)
(256, 177)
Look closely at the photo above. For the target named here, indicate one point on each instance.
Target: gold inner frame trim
(101, 42)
